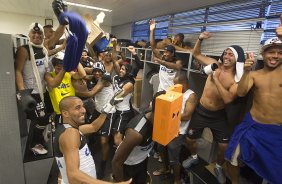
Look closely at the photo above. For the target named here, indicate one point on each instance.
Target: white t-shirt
(166, 76)
(103, 97)
(184, 124)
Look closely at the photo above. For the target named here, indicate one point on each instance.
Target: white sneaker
(156, 155)
(160, 159)
(38, 149)
(149, 178)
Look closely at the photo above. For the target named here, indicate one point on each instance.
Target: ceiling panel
(124, 11)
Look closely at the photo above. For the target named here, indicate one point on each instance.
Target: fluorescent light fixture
(86, 6)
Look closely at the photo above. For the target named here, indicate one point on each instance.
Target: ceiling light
(86, 6)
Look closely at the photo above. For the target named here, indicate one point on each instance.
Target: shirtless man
(220, 89)
(52, 38)
(178, 43)
(257, 140)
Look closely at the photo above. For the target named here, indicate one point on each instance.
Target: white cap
(36, 27)
(271, 42)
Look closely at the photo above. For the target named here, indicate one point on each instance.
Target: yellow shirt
(61, 91)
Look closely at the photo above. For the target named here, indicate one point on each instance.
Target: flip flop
(160, 172)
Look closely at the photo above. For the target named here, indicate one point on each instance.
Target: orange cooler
(167, 117)
(175, 88)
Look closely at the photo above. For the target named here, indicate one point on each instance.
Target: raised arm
(176, 66)
(88, 70)
(185, 49)
(56, 36)
(53, 82)
(116, 65)
(21, 58)
(122, 55)
(247, 80)
(114, 56)
(152, 39)
(98, 87)
(132, 138)
(80, 74)
(114, 53)
(279, 29)
(94, 126)
(204, 60)
(137, 61)
(56, 50)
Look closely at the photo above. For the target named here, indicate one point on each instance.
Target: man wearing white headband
(31, 66)
(220, 89)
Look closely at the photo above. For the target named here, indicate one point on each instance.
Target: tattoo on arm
(192, 100)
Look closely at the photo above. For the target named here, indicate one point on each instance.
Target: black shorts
(58, 120)
(89, 118)
(215, 120)
(137, 172)
(105, 129)
(40, 114)
(174, 149)
(121, 119)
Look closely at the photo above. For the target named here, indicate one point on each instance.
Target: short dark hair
(85, 50)
(48, 26)
(181, 35)
(56, 61)
(64, 103)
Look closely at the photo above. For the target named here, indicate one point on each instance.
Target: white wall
(122, 31)
(12, 23)
(107, 29)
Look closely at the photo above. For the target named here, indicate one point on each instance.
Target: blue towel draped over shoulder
(76, 42)
(260, 148)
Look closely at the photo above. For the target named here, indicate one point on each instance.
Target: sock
(217, 165)
(102, 169)
(194, 156)
(37, 137)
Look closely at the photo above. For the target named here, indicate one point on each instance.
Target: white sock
(218, 166)
(194, 156)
